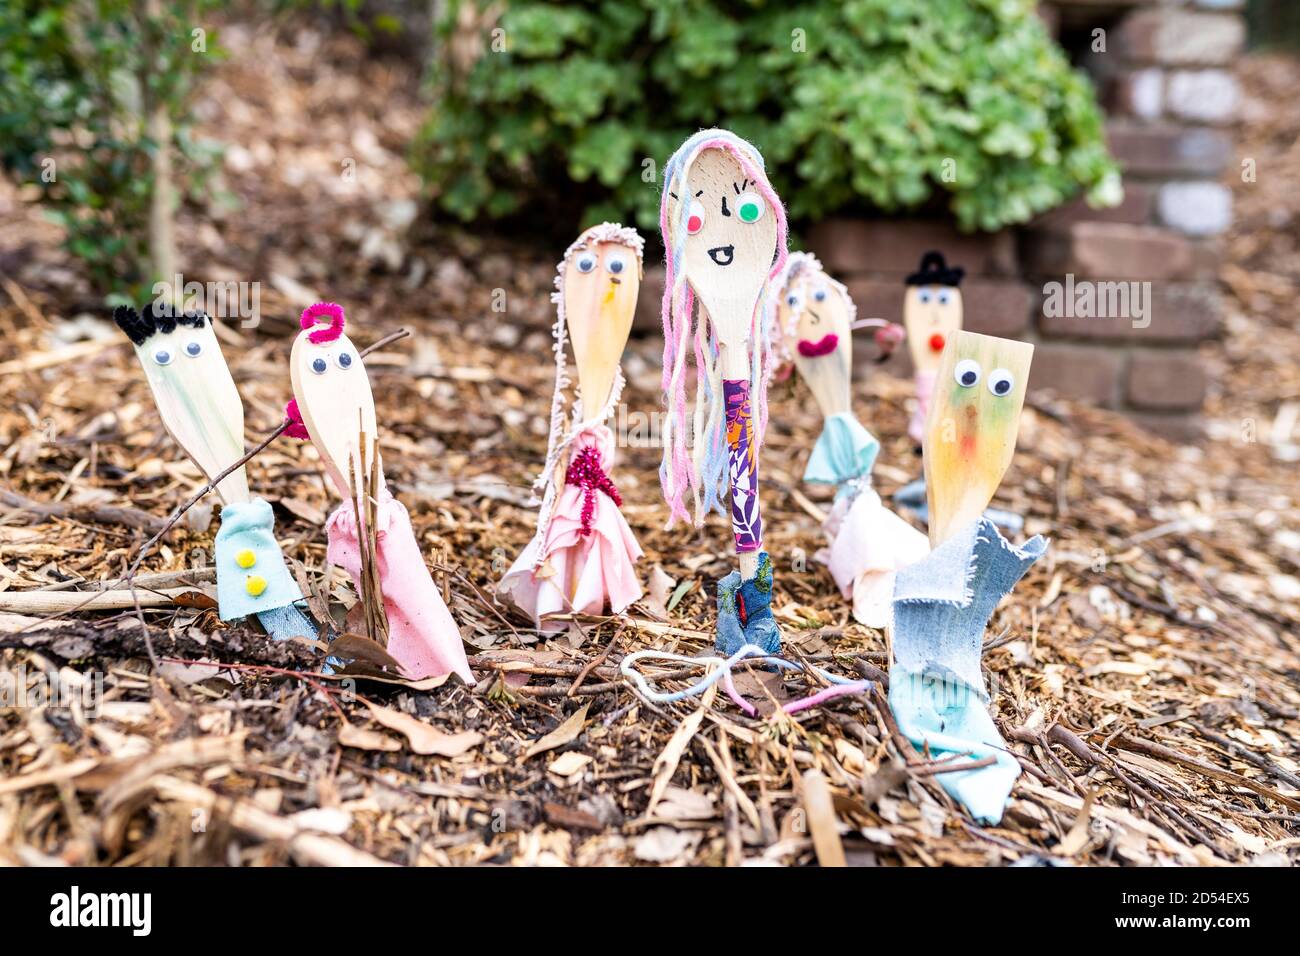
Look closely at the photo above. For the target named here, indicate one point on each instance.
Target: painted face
(730, 241)
(932, 314)
(823, 341)
(970, 436)
(601, 282)
(334, 398)
(194, 391)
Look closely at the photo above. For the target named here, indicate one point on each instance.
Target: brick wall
(1164, 78)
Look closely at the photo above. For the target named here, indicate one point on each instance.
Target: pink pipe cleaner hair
(703, 472)
(311, 317)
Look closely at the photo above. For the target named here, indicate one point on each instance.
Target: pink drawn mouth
(824, 346)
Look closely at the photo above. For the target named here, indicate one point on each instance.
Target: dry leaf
(666, 763)
(425, 738)
(561, 735)
(350, 735)
(664, 844)
(567, 764)
(659, 589)
(822, 823)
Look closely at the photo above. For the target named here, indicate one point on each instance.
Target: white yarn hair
(800, 265)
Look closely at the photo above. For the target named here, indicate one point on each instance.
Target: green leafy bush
(90, 91)
(555, 109)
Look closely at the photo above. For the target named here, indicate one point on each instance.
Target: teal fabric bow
(844, 451)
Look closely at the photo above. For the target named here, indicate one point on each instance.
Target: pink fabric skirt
(572, 572)
(422, 635)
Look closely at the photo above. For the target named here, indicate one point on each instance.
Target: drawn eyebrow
(673, 194)
(699, 194)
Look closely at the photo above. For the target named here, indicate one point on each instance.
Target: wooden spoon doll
(943, 603)
(932, 313)
(814, 320)
(583, 553)
(333, 401)
(201, 410)
(724, 232)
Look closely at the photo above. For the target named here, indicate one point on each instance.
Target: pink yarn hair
(311, 318)
(679, 471)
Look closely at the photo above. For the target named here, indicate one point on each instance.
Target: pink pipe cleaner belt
(585, 472)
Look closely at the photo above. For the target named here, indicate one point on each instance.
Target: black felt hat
(934, 271)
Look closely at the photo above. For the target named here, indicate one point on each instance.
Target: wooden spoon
(197, 399)
(970, 436)
(334, 398)
(601, 283)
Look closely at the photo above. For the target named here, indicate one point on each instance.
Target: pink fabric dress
(585, 558)
(869, 543)
(422, 636)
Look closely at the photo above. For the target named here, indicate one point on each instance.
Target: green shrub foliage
(78, 81)
(567, 109)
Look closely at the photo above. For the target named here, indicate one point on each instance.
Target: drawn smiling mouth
(722, 255)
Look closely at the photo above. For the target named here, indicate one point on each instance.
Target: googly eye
(694, 217)
(616, 263)
(820, 295)
(795, 301)
(586, 262)
(967, 373)
(343, 360)
(944, 297)
(924, 296)
(750, 207)
(319, 365)
(1001, 382)
(162, 357)
(194, 349)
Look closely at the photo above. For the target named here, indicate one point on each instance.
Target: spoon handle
(746, 519)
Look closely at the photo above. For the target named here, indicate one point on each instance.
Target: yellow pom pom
(246, 558)
(255, 584)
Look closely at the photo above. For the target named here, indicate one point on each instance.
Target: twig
(593, 664)
(103, 514)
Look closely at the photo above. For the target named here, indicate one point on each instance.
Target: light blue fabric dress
(251, 574)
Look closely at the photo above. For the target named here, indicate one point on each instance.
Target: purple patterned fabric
(745, 518)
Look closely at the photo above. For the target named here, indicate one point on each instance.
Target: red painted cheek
(936, 342)
(694, 224)
(968, 441)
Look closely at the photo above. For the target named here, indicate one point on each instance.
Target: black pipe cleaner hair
(157, 317)
(934, 271)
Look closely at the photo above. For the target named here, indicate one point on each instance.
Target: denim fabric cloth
(285, 622)
(912, 497)
(745, 612)
(250, 526)
(844, 451)
(942, 605)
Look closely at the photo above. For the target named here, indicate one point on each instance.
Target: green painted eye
(750, 207)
